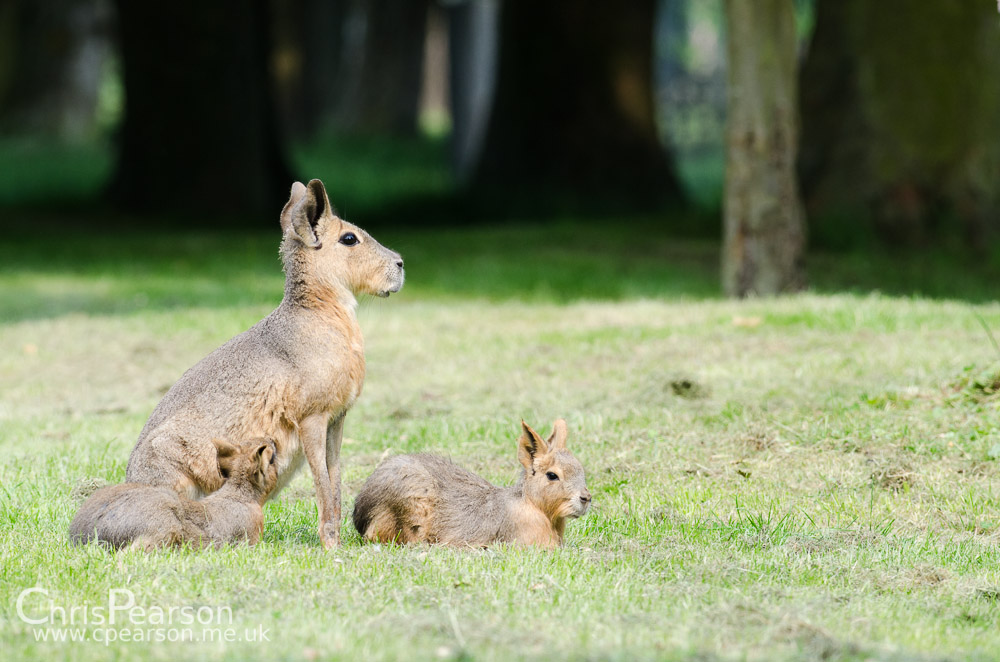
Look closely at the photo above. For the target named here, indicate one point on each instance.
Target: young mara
(426, 498)
(149, 516)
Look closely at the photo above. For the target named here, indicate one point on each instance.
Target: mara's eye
(551, 476)
(348, 239)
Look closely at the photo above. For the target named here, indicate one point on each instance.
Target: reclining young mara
(148, 516)
(292, 377)
(426, 498)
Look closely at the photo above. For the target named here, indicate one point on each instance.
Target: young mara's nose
(585, 496)
(399, 263)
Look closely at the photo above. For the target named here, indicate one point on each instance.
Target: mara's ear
(318, 191)
(557, 440)
(305, 207)
(530, 446)
(296, 195)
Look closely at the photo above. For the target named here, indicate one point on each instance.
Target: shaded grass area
(363, 174)
(54, 261)
(102, 272)
(41, 173)
(392, 177)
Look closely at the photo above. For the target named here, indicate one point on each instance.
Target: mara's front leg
(313, 433)
(334, 437)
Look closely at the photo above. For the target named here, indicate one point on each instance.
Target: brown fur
(148, 516)
(426, 498)
(292, 377)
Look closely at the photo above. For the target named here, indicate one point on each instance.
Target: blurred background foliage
(478, 112)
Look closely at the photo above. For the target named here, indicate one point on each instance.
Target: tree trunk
(434, 112)
(573, 111)
(672, 31)
(901, 118)
(322, 46)
(472, 43)
(763, 225)
(52, 55)
(381, 65)
(308, 41)
(200, 133)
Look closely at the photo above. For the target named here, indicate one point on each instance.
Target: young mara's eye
(348, 239)
(551, 476)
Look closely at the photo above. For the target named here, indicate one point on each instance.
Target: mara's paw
(329, 535)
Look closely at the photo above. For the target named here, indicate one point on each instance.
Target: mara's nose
(585, 496)
(399, 262)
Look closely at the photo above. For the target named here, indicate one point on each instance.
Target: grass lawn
(807, 477)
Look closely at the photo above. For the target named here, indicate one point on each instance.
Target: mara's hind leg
(382, 527)
(417, 523)
(179, 535)
(409, 526)
(159, 540)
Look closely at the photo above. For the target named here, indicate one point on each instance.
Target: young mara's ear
(557, 440)
(225, 449)
(263, 453)
(530, 446)
(263, 456)
(305, 207)
(226, 453)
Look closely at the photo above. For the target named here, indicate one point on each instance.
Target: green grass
(806, 477)
(370, 173)
(46, 173)
(362, 174)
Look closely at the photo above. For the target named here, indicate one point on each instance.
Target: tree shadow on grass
(47, 275)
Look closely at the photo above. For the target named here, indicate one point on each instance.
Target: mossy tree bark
(573, 113)
(764, 234)
(901, 118)
(200, 133)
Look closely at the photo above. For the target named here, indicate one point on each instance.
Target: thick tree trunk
(763, 226)
(200, 133)
(901, 118)
(573, 111)
(323, 24)
(381, 67)
(308, 42)
(52, 55)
